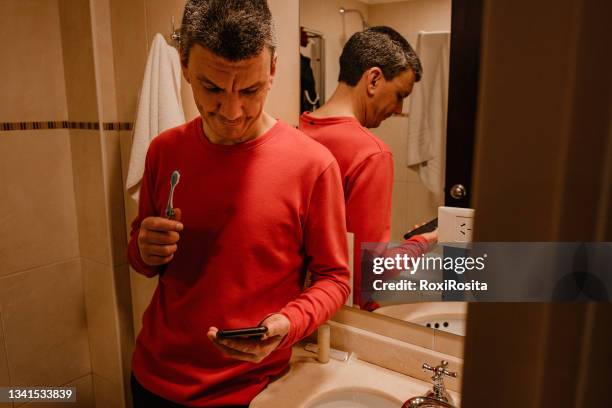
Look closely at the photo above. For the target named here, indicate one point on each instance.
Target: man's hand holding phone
(253, 349)
(428, 230)
(158, 237)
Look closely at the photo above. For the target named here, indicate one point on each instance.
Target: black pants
(143, 398)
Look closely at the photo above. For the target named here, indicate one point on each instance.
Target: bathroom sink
(447, 316)
(339, 384)
(354, 398)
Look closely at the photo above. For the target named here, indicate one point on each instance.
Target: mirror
(416, 136)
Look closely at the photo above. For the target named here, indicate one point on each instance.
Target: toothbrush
(174, 179)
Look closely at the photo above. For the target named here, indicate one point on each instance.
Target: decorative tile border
(6, 126)
(118, 125)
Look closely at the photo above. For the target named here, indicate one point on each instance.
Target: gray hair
(381, 47)
(232, 29)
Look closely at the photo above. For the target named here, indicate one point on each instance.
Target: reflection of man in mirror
(260, 202)
(378, 69)
(308, 93)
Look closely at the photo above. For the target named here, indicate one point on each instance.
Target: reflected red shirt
(366, 166)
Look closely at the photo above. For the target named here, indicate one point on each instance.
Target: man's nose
(231, 106)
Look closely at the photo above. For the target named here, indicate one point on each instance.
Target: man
(259, 204)
(378, 69)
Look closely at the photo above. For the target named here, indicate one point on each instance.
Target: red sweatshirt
(256, 216)
(366, 165)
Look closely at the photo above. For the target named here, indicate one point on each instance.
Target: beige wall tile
(115, 204)
(141, 288)
(422, 205)
(410, 17)
(125, 320)
(125, 146)
(79, 69)
(393, 132)
(399, 211)
(45, 325)
(142, 292)
(103, 60)
(31, 37)
(37, 203)
(109, 316)
(130, 47)
(108, 393)
(131, 206)
(284, 99)
(124, 300)
(101, 307)
(89, 195)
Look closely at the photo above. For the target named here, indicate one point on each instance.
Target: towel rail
(176, 35)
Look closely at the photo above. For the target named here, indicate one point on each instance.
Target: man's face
(387, 97)
(229, 95)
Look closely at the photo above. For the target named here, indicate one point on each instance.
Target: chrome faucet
(438, 396)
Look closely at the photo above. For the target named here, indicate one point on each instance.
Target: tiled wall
(43, 322)
(32, 88)
(101, 214)
(413, 203)
(65, 304)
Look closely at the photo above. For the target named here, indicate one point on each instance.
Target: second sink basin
(354, 398)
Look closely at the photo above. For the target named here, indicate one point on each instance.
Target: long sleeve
(146, 208)
(326, 250)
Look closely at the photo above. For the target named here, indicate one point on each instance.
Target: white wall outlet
(455, 224)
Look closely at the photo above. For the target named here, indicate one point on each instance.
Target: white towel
(428, 111)
(159, 106)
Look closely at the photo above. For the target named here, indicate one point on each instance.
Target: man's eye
(213, 89)
(249, 91)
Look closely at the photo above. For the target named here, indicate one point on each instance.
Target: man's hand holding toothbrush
(158, 237)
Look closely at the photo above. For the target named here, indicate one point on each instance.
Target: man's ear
(373, 77)
(273, 67)
(184, 68)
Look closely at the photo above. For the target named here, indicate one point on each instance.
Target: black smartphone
(430, 226)
(242, 333)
